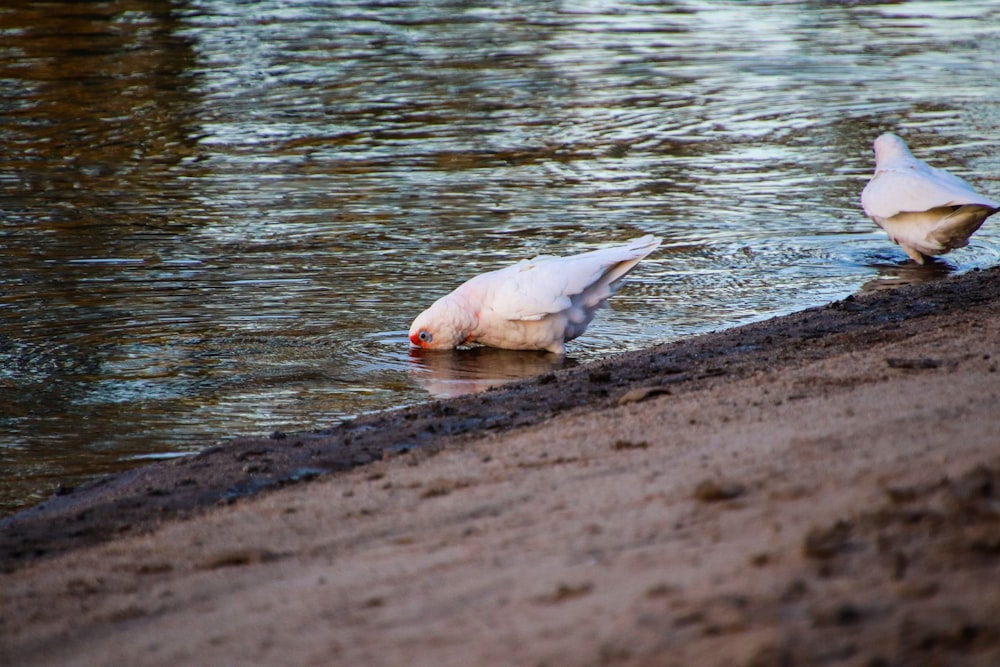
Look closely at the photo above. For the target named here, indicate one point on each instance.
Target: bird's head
(889, 147)
(444, 326)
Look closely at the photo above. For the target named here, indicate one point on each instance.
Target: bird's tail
(954, 230)
(632, 254)
(618, 260)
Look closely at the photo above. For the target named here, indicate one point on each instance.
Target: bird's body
(927, 211)
(536, 304)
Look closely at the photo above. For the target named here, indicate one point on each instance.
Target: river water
(219, 217)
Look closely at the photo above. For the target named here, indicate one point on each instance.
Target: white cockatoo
(927, 211)
(536, 304)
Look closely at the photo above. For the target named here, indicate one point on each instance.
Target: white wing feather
(910, 185)
(533, 289)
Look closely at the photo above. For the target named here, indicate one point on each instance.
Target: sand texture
(817, 489)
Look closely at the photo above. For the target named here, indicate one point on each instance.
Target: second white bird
(927, 211)
(536, 304)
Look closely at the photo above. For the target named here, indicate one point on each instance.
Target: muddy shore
(821, 488)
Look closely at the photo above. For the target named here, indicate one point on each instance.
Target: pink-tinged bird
(536, 304)
(927, 211)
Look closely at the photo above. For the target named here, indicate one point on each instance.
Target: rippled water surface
(219, 217)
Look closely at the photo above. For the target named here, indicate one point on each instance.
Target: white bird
(927, 211)
(536, 304)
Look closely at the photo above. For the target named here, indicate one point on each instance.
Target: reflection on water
(896, 272)
(217, 217)
(448, 373)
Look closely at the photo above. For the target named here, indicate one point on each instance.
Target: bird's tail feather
(955, 229)
(631, 254)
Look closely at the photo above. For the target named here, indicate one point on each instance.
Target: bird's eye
(425, 336)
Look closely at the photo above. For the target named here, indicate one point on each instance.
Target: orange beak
(415, 339)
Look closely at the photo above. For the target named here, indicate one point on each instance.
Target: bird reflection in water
(450, 373)
(893, 274)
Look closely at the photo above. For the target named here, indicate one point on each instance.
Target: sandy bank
(822, 488)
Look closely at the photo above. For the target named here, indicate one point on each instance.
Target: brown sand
(817, 489)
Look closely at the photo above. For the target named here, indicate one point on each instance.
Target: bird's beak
(415, 339)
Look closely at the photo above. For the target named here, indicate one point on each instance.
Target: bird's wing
(916, 186)
(534, 288)
(530, 290)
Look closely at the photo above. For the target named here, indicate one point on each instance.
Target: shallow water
(219, 217)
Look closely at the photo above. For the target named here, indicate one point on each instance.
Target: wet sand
(822, 488)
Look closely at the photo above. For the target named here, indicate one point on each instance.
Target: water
(219, 217)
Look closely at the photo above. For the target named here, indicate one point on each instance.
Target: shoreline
(141, 498)
(819, 488)
(245, 466)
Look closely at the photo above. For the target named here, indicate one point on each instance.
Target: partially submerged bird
(927, 211)
(536, 304)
